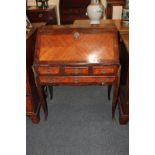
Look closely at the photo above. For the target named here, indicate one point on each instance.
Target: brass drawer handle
(50, 79)
(40, 15)
(107, 79)
(76, 70)
(103, 70)
(48, 69)
(76, 80)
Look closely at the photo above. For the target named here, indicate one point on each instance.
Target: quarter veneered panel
(64, 45)
(48, 70)
(103, 70)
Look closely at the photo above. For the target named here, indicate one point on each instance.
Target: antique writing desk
(73, 55)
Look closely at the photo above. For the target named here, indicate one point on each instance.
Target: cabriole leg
(115, 94)
(43, 100)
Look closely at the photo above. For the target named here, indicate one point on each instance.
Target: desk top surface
(104, 23)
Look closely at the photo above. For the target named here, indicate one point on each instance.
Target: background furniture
(32, 97)
(48, 15)
(77, 56)
(71, 10)
(37, 17)
(111, 4)
(124, 83)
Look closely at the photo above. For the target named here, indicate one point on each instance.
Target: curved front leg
(43, 99)
(109, 91)
(115, 93)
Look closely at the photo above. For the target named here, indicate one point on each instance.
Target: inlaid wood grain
(92, 46)
(48, 70)
(76, 70)
(75, 80)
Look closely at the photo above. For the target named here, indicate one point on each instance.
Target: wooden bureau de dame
(73, 55)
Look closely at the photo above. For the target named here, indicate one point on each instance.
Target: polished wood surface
(100, 70)
(73, 55)
(75, 70)
(48, 70)
(76, 80)
(88, 48)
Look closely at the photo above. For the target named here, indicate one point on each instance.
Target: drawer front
(29, 104)
(40, 16)
(48, 70)
(103, 70)
(76, 80)
(76, 70)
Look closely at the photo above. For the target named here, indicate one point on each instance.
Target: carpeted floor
(79, 123)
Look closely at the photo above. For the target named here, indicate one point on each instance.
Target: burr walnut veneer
(72, 55)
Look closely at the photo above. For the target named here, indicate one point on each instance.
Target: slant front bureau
(71, 55)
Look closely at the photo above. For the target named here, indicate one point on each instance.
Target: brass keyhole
(104, 71)
(76, 35)
(40, 15)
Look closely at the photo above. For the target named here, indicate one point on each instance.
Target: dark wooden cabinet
(32, 97)
(71, 10)
(48, 15)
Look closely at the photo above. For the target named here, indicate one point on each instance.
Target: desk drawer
(40, 15)
(48, 70)
(103, 70)
(76, 70)
(75, 80)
